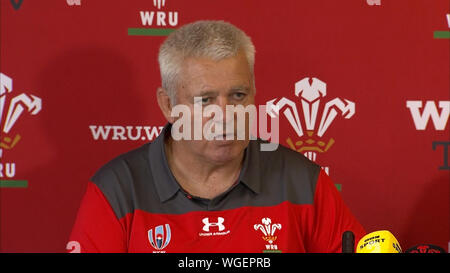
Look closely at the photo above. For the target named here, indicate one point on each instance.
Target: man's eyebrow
(206, 93)
(209, 92)
(240, 88)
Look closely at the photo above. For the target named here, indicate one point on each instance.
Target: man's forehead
(210, 76)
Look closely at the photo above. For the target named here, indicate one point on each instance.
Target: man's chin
(226, 150)
(223, 142)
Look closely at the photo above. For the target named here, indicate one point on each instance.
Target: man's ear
(164, 104)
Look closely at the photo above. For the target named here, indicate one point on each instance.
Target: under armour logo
(218, 224)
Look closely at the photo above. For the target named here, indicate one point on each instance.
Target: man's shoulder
(123, 163)
(287, 174)
(117, 179)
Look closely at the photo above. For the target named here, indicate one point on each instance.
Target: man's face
(221, 83)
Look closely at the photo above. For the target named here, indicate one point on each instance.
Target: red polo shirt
(282, 202)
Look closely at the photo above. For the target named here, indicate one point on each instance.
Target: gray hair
(212, 39)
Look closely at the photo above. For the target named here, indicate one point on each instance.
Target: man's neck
(199, 177)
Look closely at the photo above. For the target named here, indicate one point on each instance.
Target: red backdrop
(78, 88)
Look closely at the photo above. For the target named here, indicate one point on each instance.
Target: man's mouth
(225, 136)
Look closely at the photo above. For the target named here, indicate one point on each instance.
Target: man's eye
(206, 100)
(239, 96)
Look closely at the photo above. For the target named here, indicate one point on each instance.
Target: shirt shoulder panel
(116, 179)
(289, 174)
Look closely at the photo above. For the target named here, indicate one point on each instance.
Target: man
(210, 195)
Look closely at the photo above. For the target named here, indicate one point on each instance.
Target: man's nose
(227, 116)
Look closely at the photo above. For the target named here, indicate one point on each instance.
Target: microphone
(425, 248)
(381, 241)
(348, 242)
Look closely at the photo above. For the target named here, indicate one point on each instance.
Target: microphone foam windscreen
(378, 242)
